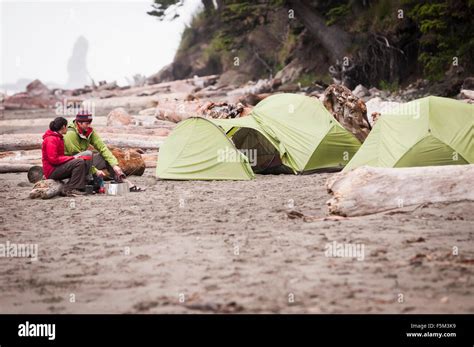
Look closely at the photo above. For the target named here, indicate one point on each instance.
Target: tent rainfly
(424, 132)
(285, 133)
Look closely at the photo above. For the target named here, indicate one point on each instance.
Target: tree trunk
(368, 190)
(131, 161)
(15, 167)
(15, 142)
(335, 40)
(133, 141)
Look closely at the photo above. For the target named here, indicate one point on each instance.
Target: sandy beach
(204, 247)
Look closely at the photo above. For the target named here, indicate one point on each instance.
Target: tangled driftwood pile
(174, 111)
(348, 109)
(37, 95)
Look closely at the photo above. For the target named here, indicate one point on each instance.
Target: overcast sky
(37, 38)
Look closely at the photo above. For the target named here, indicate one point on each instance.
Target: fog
(65, 43)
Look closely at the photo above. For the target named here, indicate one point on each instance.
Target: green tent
(261, 150)
(423, 132)
(297, 131)
(285, 133)
(198, 149)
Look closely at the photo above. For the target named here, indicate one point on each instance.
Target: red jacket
(53, 152)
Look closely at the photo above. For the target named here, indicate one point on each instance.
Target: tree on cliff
(381, 43)
(168, 9)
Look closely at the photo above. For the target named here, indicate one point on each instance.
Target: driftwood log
(132, 161)
(28, 155)
(15, 142)
(99, 123)
(19, 161)
(14, 167)
(133, 141)
(46, 189)
(368, 190)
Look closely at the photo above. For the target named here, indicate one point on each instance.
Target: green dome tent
(301, 131)
(424, 132)
(198, 149)
(284, 133)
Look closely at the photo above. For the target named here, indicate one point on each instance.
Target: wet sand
(204, 247)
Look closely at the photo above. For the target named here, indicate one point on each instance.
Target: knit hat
(84, 116)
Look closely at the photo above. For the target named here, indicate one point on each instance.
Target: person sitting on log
(58, 166)
(80, 135)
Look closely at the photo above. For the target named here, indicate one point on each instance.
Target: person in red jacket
(58, 166)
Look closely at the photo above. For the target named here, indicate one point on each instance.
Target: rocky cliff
(377, 43)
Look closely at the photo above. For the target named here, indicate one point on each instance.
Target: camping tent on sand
(424, 132)
(284, 133)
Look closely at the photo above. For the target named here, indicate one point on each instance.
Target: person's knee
(78, 162)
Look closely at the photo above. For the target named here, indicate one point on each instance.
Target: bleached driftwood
(368, 190)
(14, 142)
(20, 156)
(136, 130)
(15, 167)
(19, 161)
(99, 123)
(132, 161)
(133, 141)
(46, 189)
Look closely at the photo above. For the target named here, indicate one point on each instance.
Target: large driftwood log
(12, 157)
(33, 155)
(130, 161)
(19, 161)
(46, 189)
(134, 130)
(99, 123)
(133, 141)
(14, 167)
(14, 142)
(368, 190)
